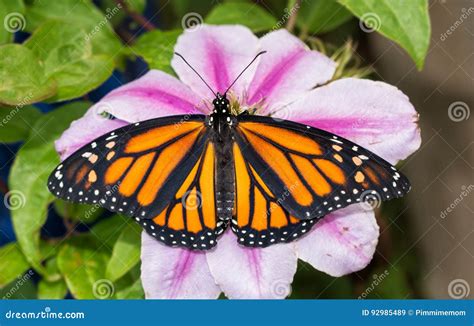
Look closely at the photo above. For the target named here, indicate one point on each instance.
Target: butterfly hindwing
(259, 219)
(319, 171)
(190, 219)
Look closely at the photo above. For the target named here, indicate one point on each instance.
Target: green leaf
(33, 163)
(135, 291)
(157, 48)
(78, 13)
(107, 232)
(82, 262)
(13, 19)
(13, 263)
(78, 212)
(22, 288)
(16, 122)
(66, 52)
(126, 252)
(405, 22)
(23, 77)
(320, 16)
(54, 289)
(249, 14)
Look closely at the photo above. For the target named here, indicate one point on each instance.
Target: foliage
(57, 51)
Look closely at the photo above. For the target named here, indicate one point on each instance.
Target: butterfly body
(221, 121)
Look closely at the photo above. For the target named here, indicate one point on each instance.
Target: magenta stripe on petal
(157, 95)
(217, 62)
(182, 268)
(274, 77)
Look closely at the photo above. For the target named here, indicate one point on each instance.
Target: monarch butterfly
(186, 178)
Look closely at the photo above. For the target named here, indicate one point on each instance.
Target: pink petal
(288, 70)
(154, 95)
(83, 131)
(342, 242)
(244, 273)
(373, 114)
(175, 273)
(218, 53)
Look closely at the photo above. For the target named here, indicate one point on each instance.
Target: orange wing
(259, 219)
(319, 172)
(190, 219)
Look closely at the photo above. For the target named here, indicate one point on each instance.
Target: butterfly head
(221, 104)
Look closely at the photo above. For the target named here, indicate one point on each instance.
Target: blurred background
(426, 249)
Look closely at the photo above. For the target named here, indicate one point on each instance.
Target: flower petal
(342, 242)
(287, 71)
(154, 95)
(373, 114)
(244, 273)
(218, 53)
(83, 131)
(175, 273)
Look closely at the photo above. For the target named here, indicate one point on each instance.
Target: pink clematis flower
(283, 84)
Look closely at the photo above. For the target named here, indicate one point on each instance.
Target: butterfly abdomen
(225, 180)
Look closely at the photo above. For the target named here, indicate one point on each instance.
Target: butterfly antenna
(179, 55)
(258, 54)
